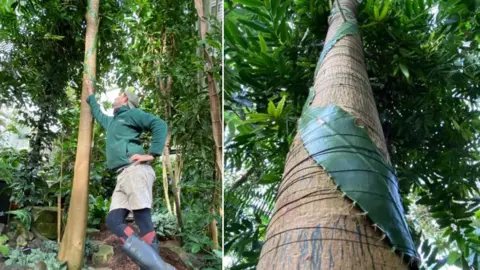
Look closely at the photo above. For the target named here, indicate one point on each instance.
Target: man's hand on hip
(141, 158)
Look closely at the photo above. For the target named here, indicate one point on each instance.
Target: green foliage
(24, 216)
(196, 221)
(148, 67)
(423, 65)
(195, 243)
(90, 248)
(165, 224)
(37, 77)
(214, 260)
(49, 246)
(40, 74)
(98, 208)
(49, 258)
(4, 249)
(52, 247)
(17, 173)
(350, 157)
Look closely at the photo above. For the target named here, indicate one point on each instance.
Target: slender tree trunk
(178, 173)
(174, 208)
(313, 225)
(59, 198)
(176, 193)
(165, 184)
(165, 90)
(214, 99)
(215, 118)
(73, 245)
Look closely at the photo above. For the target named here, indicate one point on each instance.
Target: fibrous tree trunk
(315, 224)
(215, 118)
(73, 243)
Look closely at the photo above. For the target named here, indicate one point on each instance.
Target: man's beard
(116, 105)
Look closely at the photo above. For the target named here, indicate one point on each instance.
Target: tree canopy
(140, 44)
(423, 61)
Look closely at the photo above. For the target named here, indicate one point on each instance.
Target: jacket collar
(120, 110)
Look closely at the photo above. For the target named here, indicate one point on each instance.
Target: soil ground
(121, 261)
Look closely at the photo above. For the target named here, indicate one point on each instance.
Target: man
(133, 191)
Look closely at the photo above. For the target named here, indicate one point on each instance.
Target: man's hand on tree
(141, 158)
(89, 85)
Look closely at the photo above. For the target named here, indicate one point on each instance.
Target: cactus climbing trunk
(72, 247)
(315, 225)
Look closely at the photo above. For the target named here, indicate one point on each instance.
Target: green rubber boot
(155, 246)
(143, 254)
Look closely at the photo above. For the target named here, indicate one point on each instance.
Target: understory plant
(3, 247)
(47, 253)
(49, 258)
(165, 224)
(97, 210)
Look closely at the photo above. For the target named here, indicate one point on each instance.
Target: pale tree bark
(215, 118)
(313, 225)
(178, 173)
(176, 193)
(72, 247)
(165, 184)
(166, 117)
(59, 198)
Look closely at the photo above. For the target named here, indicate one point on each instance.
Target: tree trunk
(174, 208)
(165, 90)
(176, 193)
(73, 244)
(215, 118)
(178, 174)
(314, 226)
(214, 100)
(59, 198)
(165, 184)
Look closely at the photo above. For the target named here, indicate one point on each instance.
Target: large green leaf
(347, 28)
(346, 152)
(263, 45)
(251, 3)
(429, 153)
(259, 26)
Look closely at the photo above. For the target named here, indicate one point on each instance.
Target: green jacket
(124, 130)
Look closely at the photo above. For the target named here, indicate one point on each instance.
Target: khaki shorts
(134, 188)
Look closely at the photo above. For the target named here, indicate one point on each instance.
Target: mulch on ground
(123, 262)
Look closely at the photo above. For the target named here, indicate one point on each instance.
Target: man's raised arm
(101, 118)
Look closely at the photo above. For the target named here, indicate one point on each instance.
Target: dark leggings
(116, 222)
